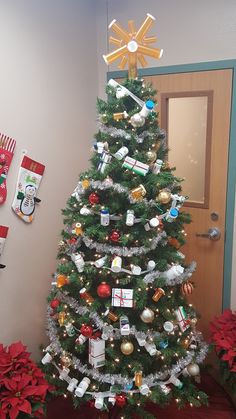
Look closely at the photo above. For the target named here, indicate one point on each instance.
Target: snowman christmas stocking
(7, 147)
(3, 235)
(29, 178)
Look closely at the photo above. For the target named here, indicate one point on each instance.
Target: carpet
(220, 407)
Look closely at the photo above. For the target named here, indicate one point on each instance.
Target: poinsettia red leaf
(15, 349)
(25, 407)
(13, 412)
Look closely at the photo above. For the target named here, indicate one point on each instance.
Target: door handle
(212, 234)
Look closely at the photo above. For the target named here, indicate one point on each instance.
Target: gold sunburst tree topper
(132, 45)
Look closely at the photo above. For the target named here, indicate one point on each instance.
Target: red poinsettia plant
(223, 337)
(23, 387)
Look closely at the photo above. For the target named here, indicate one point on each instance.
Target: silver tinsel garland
(150, 277)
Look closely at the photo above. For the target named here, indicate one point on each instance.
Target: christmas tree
(120, 326)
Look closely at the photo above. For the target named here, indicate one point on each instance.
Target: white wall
(189, 31)
(48, 85)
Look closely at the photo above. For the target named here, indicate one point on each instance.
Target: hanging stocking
(7, 147)
(3, 235)
(29, 178)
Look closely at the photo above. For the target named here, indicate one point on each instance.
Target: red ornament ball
(120, 400)
(93, 198)
(86, 330)
(104, 290)
(187, 288)
(54, 303)
(115, 236)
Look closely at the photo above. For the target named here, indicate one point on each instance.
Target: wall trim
(231, 178)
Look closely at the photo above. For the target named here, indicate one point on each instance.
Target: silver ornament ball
(193, 369)
(137, 120)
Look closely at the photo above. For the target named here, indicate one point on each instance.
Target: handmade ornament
(85, 211)
(116, 264)
(187, 288)
(62, 280)
(72, 385)
(138, 193)
(171, 215)
(3, 236)
(78, 260)
(164, 196)
(147, 316)
(163, 344)
(112, 316)
(120, 400)
(156, 167)
(120, 115)
(136, 270)
(82, 387)
(114, 236)
(97, 352)
(47, 358)
(151, 265)
(64, 374)
(181, 316)
(136, 166)
(55, 303)
(94, 198)
(138, 378)
(77, 229)
(124, 325)
(151, 156)
(122, 297)
(132, 46)
(28, 181)
(7, 148)
(150, 348)
(166, 390)
(61, 318)
(104, 290)
(127, 348)
(86, 296)
(86, 330)
(105, 159)
(104, 217)
(159, 292)
(129, 218)
(121, 153)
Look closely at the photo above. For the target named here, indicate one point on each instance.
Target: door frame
(231, 175)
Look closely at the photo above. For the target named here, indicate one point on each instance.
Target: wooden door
(210, 212)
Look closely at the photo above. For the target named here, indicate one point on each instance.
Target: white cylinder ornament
(150, 348)
(81, 339)
(100, 262)
(151, 265)
(104, 217)
(147, 108)
(154, 222)
(72, 385)
(64, 373)
(78, 260)
(157, 166)
(121, 153)
(116, 264)
(99, 401)
(130, 218)
(171, 215)
(47, 358)
(82, 387)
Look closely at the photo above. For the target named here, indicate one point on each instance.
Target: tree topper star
(132, 45)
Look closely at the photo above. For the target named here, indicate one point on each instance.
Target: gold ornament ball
(193, 369)
(164, 196)
(147, 316)
(127, 348)
(66, 361)
(151, 156)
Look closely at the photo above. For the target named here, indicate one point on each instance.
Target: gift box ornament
(182, 319)
(136, 166)
(122, 297)
(97, 352)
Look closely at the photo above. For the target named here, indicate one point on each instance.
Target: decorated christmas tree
(120, 327)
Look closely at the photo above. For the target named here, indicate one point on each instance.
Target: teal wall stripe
(231, 180)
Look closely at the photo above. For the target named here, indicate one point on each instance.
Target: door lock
(212, 234)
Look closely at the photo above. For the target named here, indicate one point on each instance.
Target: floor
(220, 407)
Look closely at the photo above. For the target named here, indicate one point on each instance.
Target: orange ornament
(61, 280)
(85, 183)
(187, 288)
